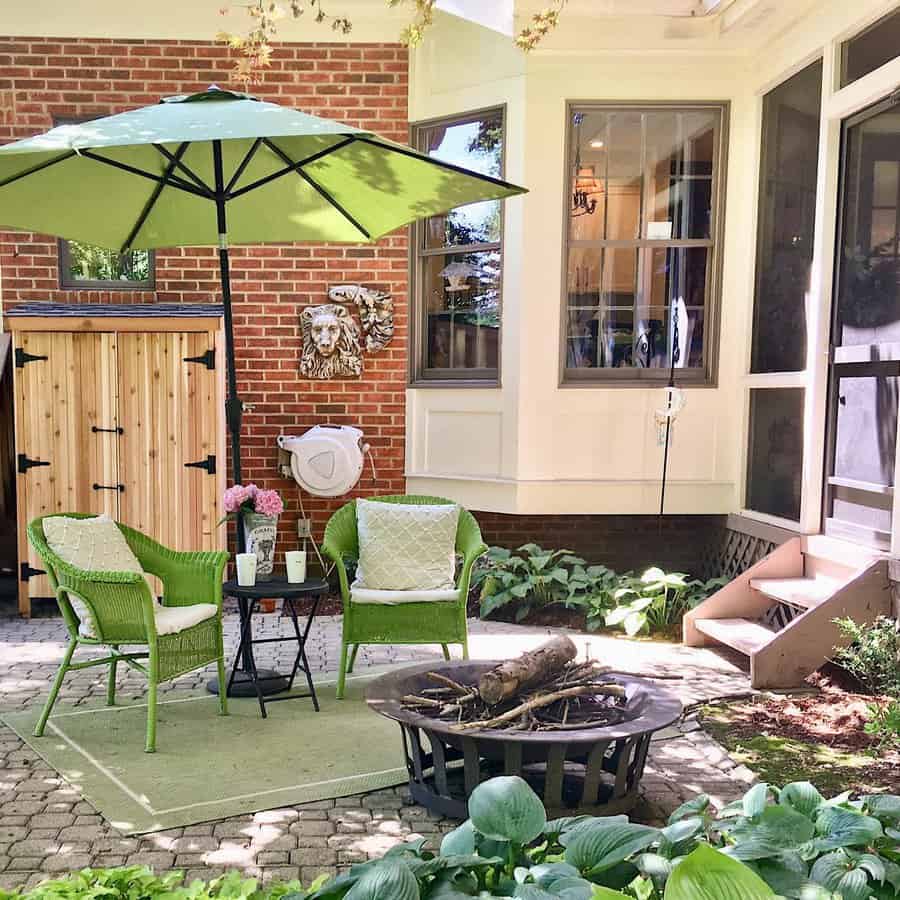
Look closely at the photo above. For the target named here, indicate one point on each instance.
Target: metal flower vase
(260, 533)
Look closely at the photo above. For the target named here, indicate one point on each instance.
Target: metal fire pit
(592, 770)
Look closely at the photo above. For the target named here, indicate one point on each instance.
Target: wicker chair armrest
(188, 577)
(336, 555)
(112, 605)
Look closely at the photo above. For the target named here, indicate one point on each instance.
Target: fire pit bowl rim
(383, 696)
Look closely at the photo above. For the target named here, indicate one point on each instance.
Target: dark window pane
(775, 459)
(475, 144)
(787, 220)
(86, 263)
(461, 297)
(869, 283)
(872, 48)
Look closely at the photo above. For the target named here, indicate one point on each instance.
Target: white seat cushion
(172, 619)
(394, 598)
(95, 545)
(405, 547)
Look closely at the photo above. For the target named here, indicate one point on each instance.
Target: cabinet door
(170, 410)
(66, 438)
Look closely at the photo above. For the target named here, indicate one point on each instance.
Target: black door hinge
(26, 572)
(109, 487)
(23, 357)
(25, 463)
(97, 430)
(209, 464)
(207, 359)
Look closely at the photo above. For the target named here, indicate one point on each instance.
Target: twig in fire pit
(545, 689)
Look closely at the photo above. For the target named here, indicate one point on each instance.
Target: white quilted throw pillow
(404, 547)
(94, 544)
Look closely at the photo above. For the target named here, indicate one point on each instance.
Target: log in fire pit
(577, 733)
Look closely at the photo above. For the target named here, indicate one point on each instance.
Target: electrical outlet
(304, 529)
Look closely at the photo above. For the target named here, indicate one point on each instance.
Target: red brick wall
(621, 543)
(362, 84)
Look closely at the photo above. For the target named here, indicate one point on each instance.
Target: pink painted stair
(780, 612)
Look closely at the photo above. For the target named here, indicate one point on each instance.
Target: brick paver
(47, 827)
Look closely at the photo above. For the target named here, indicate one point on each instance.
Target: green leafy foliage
(653, 601)
(873, 656)
(531, 577)
(884, 723)
(140, 883)
(789, 843)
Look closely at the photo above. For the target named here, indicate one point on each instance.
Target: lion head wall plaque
(330, 342)
(331, 335)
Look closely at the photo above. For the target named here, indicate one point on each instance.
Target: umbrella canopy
(144, 179)
(219, 167)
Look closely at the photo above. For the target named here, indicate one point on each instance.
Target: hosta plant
(789, 843)
(530, 577)
(654, 601)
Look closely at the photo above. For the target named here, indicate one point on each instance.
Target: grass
(780, 760)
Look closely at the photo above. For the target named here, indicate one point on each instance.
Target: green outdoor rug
(208, 766)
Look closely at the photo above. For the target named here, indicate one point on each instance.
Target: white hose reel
(327, 460)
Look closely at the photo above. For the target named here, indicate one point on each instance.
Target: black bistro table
(246, 679)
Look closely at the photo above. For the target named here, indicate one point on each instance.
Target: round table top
(276, 586)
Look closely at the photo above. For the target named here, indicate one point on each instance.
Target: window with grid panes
(643, 221)
(457, 260)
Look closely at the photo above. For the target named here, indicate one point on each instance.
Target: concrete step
(803, 592)
(744, 635)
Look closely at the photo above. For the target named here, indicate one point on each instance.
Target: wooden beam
(210, 324)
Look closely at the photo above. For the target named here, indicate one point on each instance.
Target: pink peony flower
(236, 496)
(268, 503)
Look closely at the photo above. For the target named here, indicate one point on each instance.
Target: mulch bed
(817, 736)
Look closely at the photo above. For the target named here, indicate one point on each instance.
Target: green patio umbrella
(220, 167)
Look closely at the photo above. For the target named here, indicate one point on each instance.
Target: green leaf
(386, 881)
(776, 829)
(786, 874)
(605, 893)
(460, 840)
(841, 827)
(696, 807)
(885, 807)
(838, 872)
(507, 809)
(754, 801)
(709, 875)
(489, 604)
(635, 622)
(601, 845)
(802, 797)
(655, 866)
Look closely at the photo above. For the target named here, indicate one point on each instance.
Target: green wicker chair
(122, 608)
(427, 622)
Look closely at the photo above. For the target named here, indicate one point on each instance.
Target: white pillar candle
(295, 561)
(246, 569)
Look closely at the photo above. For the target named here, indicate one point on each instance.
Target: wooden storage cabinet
(119, 415)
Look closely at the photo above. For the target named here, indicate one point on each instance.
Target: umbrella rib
(406, 151)
(132, 170)
(148, 206)
(180, 165)
(37, 168)
(317, 187)
(292, 168)
(244, 163)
